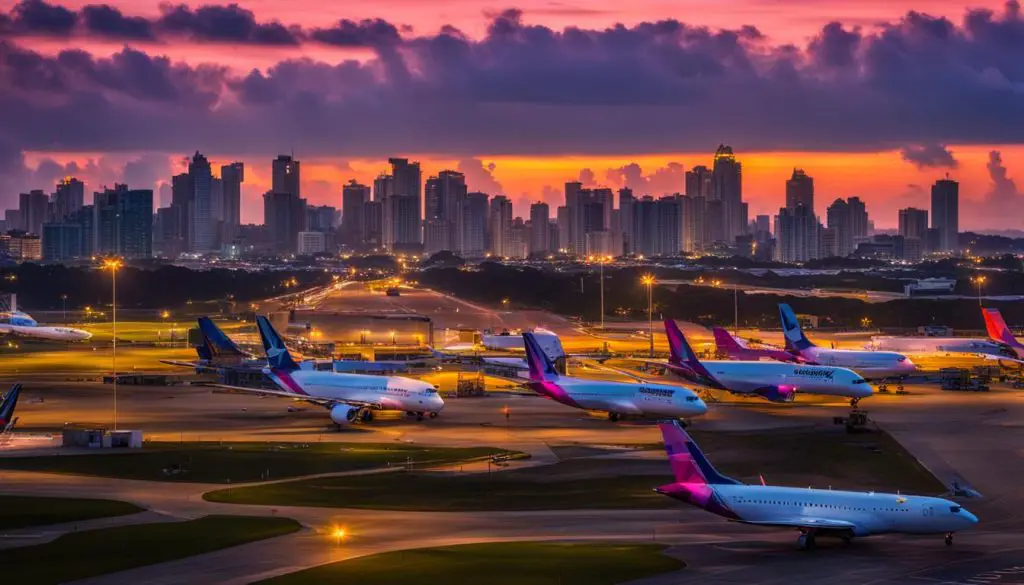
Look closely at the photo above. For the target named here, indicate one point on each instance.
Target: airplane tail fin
(219, 343)
(204, 351)
(7, 406)
(725, 343)
(795, 338)
(680, 351)
(998, 330)
(278, 357)
(540, 365)
(689, 465)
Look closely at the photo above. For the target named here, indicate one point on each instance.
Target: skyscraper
(859, 223)
(402, 194)
(68, 198)
(800, 190)
(575, 240)
(946, 213)
(645, 226)
(285, 215)
(354, 197)
(286, 175)
(669, 214)
(699, 182)
(201, 225)
(34, 207)
(500, 220)
(626, 201)
(914, 223)
(474, 228)
(797, 233)
(232, 176)
(445, 201)
(540, 231)
(727, 179)
(692, 210)
(124, 222)
(840, 236)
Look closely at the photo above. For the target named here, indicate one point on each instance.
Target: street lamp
(979, 280)
(113, 264)
(64, 304)
(648, 281)
(393, 339)
(602, 259)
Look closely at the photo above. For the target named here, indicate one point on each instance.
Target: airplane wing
(806, 522)
(1001, 358)
(325, 402)
(189, 365)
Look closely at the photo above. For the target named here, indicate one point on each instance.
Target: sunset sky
(872, 98)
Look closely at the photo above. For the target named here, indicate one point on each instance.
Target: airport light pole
(64, 305)
(113, 264)
(979, 280)
(648, 280)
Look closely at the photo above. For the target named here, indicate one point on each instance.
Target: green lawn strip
(79, 555)
(821, 458)
(25, 511)
(214, 462)
(511, 563)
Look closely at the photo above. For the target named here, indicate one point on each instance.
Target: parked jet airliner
(872, 365)
(774, 381)
(21, 324)
(726, 344)
(615, 398)
(348, 397)
(814, 512)
(998, 331)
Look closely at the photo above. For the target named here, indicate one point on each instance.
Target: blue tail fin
(220, 344)
(795, 338)
(204, 351)
(278, 357)
(541, 368)
(7, 407)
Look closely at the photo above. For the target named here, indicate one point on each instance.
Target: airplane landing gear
(613, 416)
(366, 416)
(854, 402)
(419, 416)
(805, 541)
(433, 415)
(949, 539)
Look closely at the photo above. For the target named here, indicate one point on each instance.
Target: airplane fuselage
(385, 392)
(654, 400)
(942, 345)
(869, 364)
(45, 333)
(748, 377)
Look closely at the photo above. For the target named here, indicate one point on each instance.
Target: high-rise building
(34, 208)
(407, 202)
(445, 202)
(500, 220)
(800, 190)
(232, 176)
(670, 225)
(123, 220)
(202, 230)
(838, 241)
(563, 222)
(62, 242)
(354, 197)
(321, 218)
(626, 201)
(12, 220)
(645, 226)
(474, 226)
(540, 230)
(576, 240)
(692, 210)
(699, 182)
(310, 243)
(727, 180)
(286, 175)
(914, 223)
(68, 198)
(946, 213)
(797, 235)
(285, 216)
(373, 226)
(762, 228)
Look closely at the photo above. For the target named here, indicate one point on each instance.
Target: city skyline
(507, 85)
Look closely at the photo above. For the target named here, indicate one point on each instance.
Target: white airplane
(615, 398)
(814, 512)
(348, 397)
(21, 324)
(547, 340)
(928, 345)
(771, 380)
(873, 365)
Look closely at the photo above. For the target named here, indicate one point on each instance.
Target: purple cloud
(929, 156)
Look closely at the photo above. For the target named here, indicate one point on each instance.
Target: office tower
(123, 222)
(61, 242)
(321, 218)
(354, 197)
(284, 215)
(626, 201)
(500, 220)
(232, 176)
(575, 241)
(714, 223)
(860, 226)
(828, 243)
(435, 236)
(800, 190)
(310, 243)
(176, 224)
(540, 229)
(606, 199)
(474, 228)
(12, 220)
(373, 225)
(699, 182)
(562, 219)
(797, 235)
(645, 226)
(839, 239)
(554, 237)
(727, 187)
(692, 210)
(762, 228)
(445, 202)
(202, 230)
(519, 239)
(68, 198)
(914, 223)
(670, 225)
(286, 176)
(946, 214)
(34, 209)
(406, 203)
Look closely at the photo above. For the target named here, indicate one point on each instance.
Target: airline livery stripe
(289, 382)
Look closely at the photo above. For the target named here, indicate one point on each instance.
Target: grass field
(821, 458)
(84, 360)
(78, 555)
(25, 511)
(241, 462)
(513, 563)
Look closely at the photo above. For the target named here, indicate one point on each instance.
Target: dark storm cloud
(663, 86)
(106, 21)
(929, 156)
(37, 17)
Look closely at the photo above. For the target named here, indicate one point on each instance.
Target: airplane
(547, 340)
(998, 331)
(873, 365)
(814, 512)
(10, 401)
(774, 381)
(735, 349)
(615, 398)
(348, 397)
(21, 324)
(925, 345)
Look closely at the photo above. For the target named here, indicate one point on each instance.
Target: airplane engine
(344, 414)
(777, 393)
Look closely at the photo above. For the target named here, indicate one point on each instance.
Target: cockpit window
(431, 390)
(955, 509)
(901, 359)
(691, 399)
(860, 381)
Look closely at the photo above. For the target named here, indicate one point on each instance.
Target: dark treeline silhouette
(42, 286)
(577, 294)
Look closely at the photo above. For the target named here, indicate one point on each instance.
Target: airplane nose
(699, 407)
(865, 390)
(971, 518)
